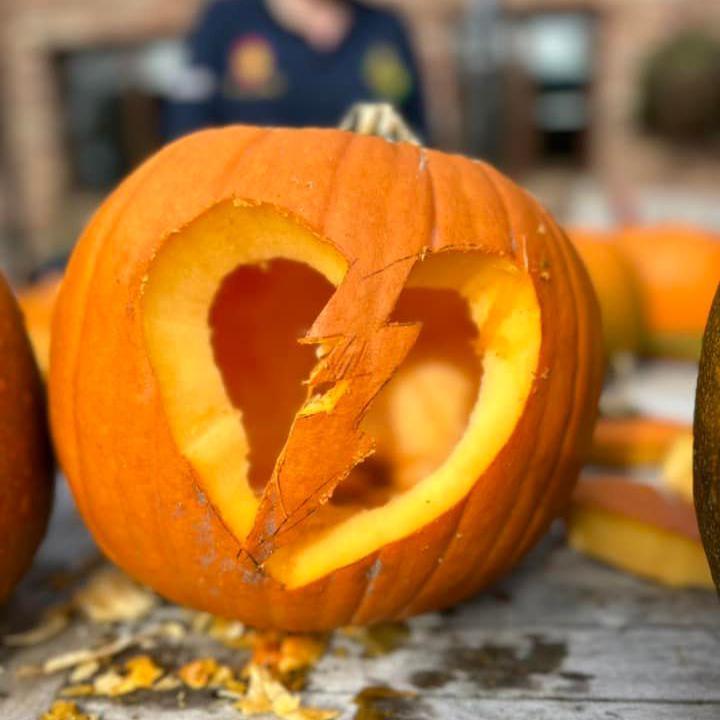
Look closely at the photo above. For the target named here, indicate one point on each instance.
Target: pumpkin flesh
(430, 468)
(642, 548)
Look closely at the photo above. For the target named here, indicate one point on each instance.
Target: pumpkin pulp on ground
(225, 303)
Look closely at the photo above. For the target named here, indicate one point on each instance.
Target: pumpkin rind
(706, 448)
(25, 459)
(144, 502)
(639, 528)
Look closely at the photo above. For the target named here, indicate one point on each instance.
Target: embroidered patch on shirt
(386, 73)
(253, 69)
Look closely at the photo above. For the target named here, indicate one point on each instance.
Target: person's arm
(192, 102)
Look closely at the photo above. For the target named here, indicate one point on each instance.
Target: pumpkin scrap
(634, 508)
(266, 695)
(277, 669)
(111, 596)
(640, 528)
(306, 379)
(64, 710)
(205, 672)
(229, 633)
(74, 658)
(299, 653)
(262, 693)
(138, 673)
(84, 671)
(168, 683)
(54, 621)
(288, 657)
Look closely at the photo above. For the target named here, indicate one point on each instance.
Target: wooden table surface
(564, 637)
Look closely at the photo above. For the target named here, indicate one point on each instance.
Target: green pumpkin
(706, 461)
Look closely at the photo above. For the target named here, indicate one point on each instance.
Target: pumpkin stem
(378, 119)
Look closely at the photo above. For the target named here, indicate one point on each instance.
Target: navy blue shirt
(246, 68)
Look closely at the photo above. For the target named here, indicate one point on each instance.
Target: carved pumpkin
(25, 464)
(643, 295)
(307, 378)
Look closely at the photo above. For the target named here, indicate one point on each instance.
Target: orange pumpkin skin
(648, 305)
(25, 460)
(37, 302)
(617, 290)
(678, 269)
(142, 499)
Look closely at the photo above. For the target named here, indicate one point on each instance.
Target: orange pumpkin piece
(634, 440)
(37, 303)
(305, 378)
(655, 286)
(25, 460)
(639, 528)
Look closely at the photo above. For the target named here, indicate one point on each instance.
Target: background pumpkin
(25, 464)
(152, 332)
(641, 292)
(37, 302)
(617, 290)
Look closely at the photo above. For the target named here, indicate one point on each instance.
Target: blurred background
(608, 110)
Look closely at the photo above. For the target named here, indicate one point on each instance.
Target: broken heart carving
(477, 418)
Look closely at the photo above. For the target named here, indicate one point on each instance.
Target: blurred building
(577, 83)
(548, 89)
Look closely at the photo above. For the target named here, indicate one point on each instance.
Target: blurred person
(293, 63)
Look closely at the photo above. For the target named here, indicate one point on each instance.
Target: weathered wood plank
(562, 638)
(417, 708)
(481, 662)
(430, 708)
(554, 587)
